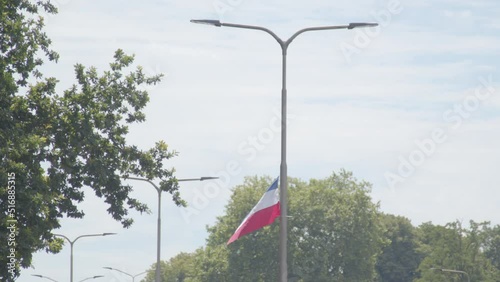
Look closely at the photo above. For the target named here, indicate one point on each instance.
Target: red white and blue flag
(263, 214)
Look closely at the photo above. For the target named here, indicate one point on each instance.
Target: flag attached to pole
(263, 214)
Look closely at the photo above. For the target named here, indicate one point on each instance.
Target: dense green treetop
(55, 144)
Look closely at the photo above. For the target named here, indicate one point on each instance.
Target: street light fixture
(158, 232)
(133, 276)
(453, 271)
(283, 167)
(72, 242)
(92, 277)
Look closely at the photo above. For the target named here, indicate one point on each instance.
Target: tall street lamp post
(283, 167)
(158, 235)
(453, 271)
(73, 242)
(133, 276)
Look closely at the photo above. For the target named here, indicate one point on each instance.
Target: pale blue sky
(360, 112)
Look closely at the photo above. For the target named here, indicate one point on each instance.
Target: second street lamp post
(283, 166)
(133, 276)
(73, 242)
(158, 235)
(88, 278)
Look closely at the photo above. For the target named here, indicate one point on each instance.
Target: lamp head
(208, 22)
(106, 234)
(356, 25)
(208, 178)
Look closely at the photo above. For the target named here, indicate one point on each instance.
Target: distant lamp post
(133, 276)
(92, 277)
(88, 278)
(453, 271)
(73, 242)
(158, 235)
(41, 276)
(283, 273)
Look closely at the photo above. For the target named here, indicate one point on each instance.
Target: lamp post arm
(453, 271)
(120, 271)
(87, 235)
(314, 29)
(244, 26)
(41, 276)
(144, 179)
(140, 273)
(64, 237)
(457, 271)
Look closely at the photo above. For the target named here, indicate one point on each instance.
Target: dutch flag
(263, 214)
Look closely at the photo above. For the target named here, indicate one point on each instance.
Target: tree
(492, 246)
(53, 145)
(334, 232)
(180, 268)
(457, 248)
(400, 259)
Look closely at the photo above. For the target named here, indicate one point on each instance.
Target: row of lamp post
(158, 239)
(284, 44)
(283, 273)
(88, 278)
(96, 276)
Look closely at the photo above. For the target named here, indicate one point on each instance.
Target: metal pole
(71, 252)
(158, 232)
(158, 239)
(71, 261)
(283, 176)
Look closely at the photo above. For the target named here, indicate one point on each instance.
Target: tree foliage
(58, 143)
(400, 259)
(337, 234)
(334, 234)
(456, 248)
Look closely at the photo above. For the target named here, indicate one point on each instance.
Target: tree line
(336, 233)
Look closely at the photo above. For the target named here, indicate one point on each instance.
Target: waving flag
(263, 214)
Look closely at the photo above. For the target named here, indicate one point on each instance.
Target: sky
(411, 106)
